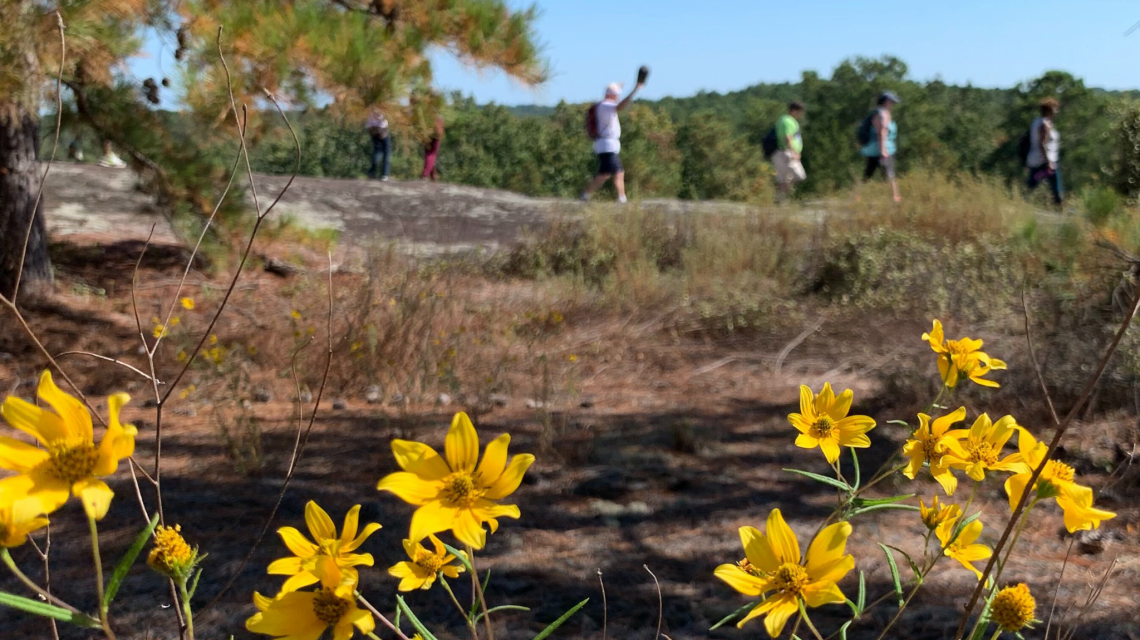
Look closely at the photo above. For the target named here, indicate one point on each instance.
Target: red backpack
(592, 121)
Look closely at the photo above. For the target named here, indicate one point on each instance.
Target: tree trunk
(19, 183)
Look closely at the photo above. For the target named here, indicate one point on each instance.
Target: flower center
(823, 426)
(460, 490)
(1013, 608)
(1058, 471)
(329, 547)
(429, 561)
(790, 578)
(983, 452)
(72, 462)
(171, 555)
(329, 607)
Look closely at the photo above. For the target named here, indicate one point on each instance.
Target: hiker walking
(431, 152)
(789, 146)
(377, 126)
(604, 129)
(1045, 151)
(879, 136)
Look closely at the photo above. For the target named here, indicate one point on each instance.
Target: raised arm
(625, 103)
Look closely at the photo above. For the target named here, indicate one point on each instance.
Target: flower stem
(970, 500)
(479, 593)
(385, 620)
(7, 558)
(807, 620)
(186, 612)
(466, 618)
(997, 632)
(99, 578)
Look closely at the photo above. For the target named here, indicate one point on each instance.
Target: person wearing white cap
(604, 128)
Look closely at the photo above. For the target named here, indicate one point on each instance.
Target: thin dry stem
(108, 359)
(299, 441)
(660, 602)
(1061, 429)
(1057, 587)
(605, 606)
(384, 619)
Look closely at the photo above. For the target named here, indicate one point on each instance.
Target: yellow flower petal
(757, 550)
(511, 478)
(824, 400)
(469, 530)
(830, 449)
(76, 419)
(494, 460)
(828, 546)
(430, 518)
(42, 425)
(299, 581)
(96, 496)
(410, 488)
(782, 539)
(297, 542)
(799, 422)
(821, 593)
(285, 567)
(20, 456)
(785, 607)
(841, 406)
(320, 525)
(854, 440)
(355, 543)
(462, 444)
(420, 459)
(807, 441)
(291, 615)
(807, 402)
(351, 523)
(741, 580)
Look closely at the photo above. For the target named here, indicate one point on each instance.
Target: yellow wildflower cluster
(456, 492)
(172, 556)
(789, 583)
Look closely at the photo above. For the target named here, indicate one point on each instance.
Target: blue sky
(723, 45)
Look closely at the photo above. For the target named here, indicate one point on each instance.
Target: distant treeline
(708, 146)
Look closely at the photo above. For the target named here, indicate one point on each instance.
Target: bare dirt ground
(664, 447)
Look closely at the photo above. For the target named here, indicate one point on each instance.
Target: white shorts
(788, 169)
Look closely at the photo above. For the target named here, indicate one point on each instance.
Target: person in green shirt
(789, 145)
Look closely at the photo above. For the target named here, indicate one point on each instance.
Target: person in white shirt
(1045, 151)
(377, 126)
(607, 143)
(110, 159)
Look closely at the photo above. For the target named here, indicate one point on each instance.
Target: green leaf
(855, 459)
(880, 507)
(553, 626)
(194, 583)
(419, 626)
(913, 565)
(127, 561)
(870, 502)
(894, 573)
(902, 423)
(843, 630)
(732, 615)
(460, 555)
(37, 608)
(962, 524)
(862, 600)
(842, 486)
(854, 607)
(502, 607)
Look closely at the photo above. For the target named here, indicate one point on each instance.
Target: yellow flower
(69, 462)
(305, 615)
(213, 339)
(774, 560)
(175, 321)
(823, 422)
(964, 548)
(937, 514)
(171, 555)
(182, 356)
(159, 331)
(302, 567)
(188, 304)
(1013, 608)
(453, 493)
(296, 314)
(1057, 480)
(962, 358)
(927, 445)
(421, 571)
(18, 518)
(979, 449)
(572, 358)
